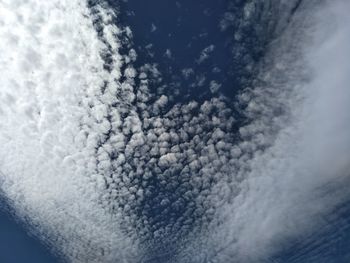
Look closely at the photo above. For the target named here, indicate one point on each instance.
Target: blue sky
(17, 246)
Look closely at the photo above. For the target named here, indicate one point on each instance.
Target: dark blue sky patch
(17, 246)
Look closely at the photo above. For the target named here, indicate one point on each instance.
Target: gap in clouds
(185, 40)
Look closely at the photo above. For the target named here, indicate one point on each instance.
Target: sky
(18, 246)
(175, 131)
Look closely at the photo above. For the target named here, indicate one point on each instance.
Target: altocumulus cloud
(55, 94)
(105, 170)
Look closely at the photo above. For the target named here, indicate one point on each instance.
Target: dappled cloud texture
(103, 168)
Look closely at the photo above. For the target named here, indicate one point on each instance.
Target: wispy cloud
(288, 188)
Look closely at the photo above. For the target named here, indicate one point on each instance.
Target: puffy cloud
(56, 93)
(187, 72)
(214, 86)
(205, 54)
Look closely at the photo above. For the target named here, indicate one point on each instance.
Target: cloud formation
(105, 168)
(290, 187)
(56, 90)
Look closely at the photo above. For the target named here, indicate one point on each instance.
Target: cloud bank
(290, 187)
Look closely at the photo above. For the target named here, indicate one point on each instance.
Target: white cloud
(53, 117)
(205, 54)
(214, 86)
(285, 192)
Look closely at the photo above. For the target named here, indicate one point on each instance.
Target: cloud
(292, 173)
(106, 168)
(205, 54)
(56, 95)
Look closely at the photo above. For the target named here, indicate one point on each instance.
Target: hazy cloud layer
(289, 188)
